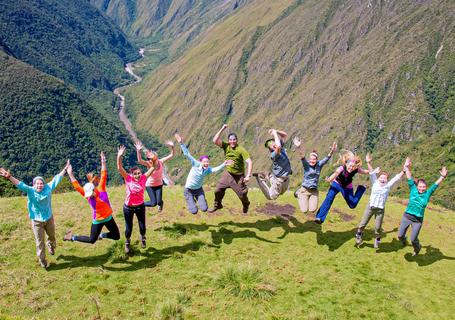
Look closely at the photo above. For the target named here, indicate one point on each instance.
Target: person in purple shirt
(341, 181)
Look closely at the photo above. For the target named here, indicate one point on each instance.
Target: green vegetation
(44, 122)
(70, 40)
(264, 265)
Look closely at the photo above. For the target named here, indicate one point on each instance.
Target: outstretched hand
(224, 127)
(121, 150)
(296, 141)
(334, 147)
(169, 144)
(443, 172)
(407, 163)
(69, 169)
(138, 145)
(4, 173)
(368, 157)
(102, 156)
(178, 138)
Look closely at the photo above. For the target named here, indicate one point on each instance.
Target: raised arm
(221, 166)
(276, 137)
(283, 135)
(139, 147)
(73, 180)
(334, 175)
(7, 175)
(170, 145)
(103, 179)
(407, 168)
(63, 172)
(361, 170)
(368, 159)
(216, 137)
(443, 172)
(120, 168)
(298, 145)
(151, 169)
(249, 170)
(185, 151)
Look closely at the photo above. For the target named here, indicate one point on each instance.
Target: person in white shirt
(379, 191)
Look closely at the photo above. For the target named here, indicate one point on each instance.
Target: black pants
(156, 196)
(128, 213)
(95, 231)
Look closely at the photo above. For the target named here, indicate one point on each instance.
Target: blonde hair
(348, 155)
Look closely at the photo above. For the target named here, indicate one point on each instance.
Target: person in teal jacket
(419, 197)
(40, 210)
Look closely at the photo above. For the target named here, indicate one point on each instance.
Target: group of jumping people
(272, 184)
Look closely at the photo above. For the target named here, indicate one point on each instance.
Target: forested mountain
(175, 21)
(373, 75)
(44, 122)
(68, 39)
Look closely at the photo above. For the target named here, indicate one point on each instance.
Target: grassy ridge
(228, 266)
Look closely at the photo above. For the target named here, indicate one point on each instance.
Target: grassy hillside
(374, 76)
(70, 40)
(45, 122)
(273, 263)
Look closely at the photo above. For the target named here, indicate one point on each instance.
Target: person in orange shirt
(95, 193)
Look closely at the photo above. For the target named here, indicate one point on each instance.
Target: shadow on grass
(430, 256)
(150, 258)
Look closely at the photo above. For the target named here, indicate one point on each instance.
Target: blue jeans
(193, 195)
(348, 194)
(156, 196)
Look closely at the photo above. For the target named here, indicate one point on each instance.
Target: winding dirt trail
(122, 114)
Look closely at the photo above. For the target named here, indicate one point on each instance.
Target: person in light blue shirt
(39, 210)
(199, 169)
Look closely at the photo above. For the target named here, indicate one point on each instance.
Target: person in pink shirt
(134, 203)
(154, 184)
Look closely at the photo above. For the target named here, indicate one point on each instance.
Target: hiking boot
(245, 208)
(127, 247)
(211, 210)
(417, 250)
(377, 241)
(143, 243)
(160, 207)
(358, 239)
(50, 249)
(318, 221)
(68, 236)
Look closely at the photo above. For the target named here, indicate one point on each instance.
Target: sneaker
(318, 221)
(210, 210)
(68, 236)
(377, 241)
(127, 248)
(44, 264)
(101, 236)
(417, 250)
(160, 207)
(358, 239)
(143, 243)
(50, 249)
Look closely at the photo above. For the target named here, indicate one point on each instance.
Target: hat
(38, 178)
(88, 189)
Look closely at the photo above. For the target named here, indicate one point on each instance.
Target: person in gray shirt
(308, 194)
(275, 183)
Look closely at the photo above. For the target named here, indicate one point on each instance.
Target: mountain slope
(372, 75)
(44, 122)
(68, 39)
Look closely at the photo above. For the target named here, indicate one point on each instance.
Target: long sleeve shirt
(100, 204)
(39, 203)
(311, 173)
(418, 201)
(197, 173)
(380, 193)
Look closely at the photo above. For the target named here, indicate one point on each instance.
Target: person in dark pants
(95, 193)
(199, 169)
(134, 202)
(154, 184)
(419, 196)
(234, 177)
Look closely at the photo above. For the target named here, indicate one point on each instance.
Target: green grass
(227, 265)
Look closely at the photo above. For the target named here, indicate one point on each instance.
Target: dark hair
(420, 180)
(232, 134)
(267, 142)
(134, 169)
